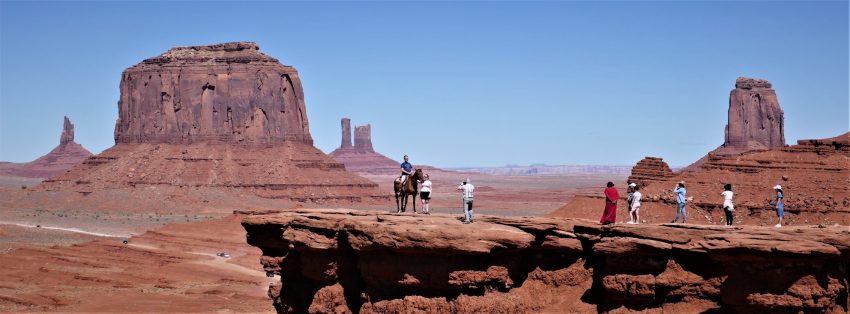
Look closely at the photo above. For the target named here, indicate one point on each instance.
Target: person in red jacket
(611, 197)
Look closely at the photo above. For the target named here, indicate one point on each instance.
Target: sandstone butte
(56, 162)
(650, 169)
(341, 261)
(815, 173)
(361, 157)
(221, 125)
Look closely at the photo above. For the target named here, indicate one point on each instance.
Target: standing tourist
(681, 198)
(780, 207)
(425, 194)
(631, 191)
(728, 208)
(467, 189)
(609, 216)
(634, 211)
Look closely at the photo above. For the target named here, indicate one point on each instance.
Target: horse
(406, 188)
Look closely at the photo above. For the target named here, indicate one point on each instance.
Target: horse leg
(403, 201)
(414, 202)
(397, 203)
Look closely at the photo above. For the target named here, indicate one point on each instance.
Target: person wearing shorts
(780, 207)
(425, 194)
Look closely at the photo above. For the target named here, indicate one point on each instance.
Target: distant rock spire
(67, 132)
(756, 120)
(346, 133)
(363, 137)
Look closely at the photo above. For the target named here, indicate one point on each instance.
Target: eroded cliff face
(220, 122)
(355, 261)
(229, 93)
(755, 119)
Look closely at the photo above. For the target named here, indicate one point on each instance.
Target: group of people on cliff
(609, 215)
(425, 191)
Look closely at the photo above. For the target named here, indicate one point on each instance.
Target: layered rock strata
(68, 154)
(368, 262)
(229, 93)
(225, 121)
(756, 120)
(362, 156)
(650, 169)
(815, 176)
(363, 137)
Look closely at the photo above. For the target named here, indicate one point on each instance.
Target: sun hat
(777, 187)
(632, 184)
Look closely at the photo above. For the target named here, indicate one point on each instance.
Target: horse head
(417, 175)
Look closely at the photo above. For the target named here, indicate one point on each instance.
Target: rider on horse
(406, 170)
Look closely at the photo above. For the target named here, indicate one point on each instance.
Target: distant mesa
(543, 169)
(225, 93)
(56, 162)
(361, 157)
(650, 169)
(221, 121)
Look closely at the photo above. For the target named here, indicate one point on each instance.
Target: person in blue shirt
(681, 199)
(780, 207)
(406, 169)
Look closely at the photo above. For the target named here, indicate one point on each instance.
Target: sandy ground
(75, 260)
(173, 269)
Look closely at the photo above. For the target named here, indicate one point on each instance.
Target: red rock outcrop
(229, 93)
(363, 137)
(362, 156)
(755, 119)
(826, 146)
(369, 262)
(815, 176)
(346, 133)
(221, 122)
(650, 169)
(56, 162)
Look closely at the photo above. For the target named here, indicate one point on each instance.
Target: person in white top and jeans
(467, 189)
(425, 194)
(634, 212)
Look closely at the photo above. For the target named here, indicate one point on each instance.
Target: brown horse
(405, 189)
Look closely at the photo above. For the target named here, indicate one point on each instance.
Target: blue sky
(452, 84)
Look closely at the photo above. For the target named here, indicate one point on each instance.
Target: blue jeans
(680, 208)
(467, 208)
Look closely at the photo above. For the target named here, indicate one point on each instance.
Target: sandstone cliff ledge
(359, 261)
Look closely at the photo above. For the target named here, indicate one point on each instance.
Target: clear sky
(452, 84)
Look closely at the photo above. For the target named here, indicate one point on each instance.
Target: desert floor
(76, 260)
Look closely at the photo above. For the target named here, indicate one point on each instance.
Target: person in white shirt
(425, 194)
(467, 189)
(728, 208)
(634, 212)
